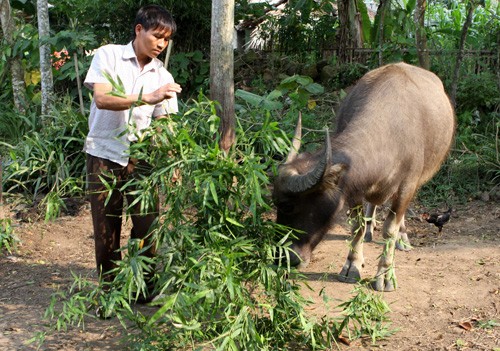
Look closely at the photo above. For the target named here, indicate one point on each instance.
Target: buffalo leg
(350, 272)
(403, 243)
(385, 280)
(370, 221)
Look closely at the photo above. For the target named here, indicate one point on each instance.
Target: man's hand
(163, 93)
(105, 101)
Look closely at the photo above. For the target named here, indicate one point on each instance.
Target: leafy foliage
(474, 163)
(367, 312)
(217, 248)
(191, 70)
(216, 274)
(113, 21)
(8, 240)
(301, 24)
(48, 161)
(14, 125)
(479, 92)
(299, 90)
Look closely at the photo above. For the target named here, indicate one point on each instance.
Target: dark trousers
(107, 217)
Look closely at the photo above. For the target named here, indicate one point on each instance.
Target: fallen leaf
(344, 340)
(465, 325)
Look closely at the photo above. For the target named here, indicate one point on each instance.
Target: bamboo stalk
(169, 51)
(79, 84)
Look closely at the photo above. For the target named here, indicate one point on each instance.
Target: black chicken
(437, 219)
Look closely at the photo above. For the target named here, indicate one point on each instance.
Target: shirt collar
(129, 54)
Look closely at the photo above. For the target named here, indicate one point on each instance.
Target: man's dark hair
(153, 17)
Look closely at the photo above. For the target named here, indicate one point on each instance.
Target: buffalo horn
(301, 183)
(296, 141)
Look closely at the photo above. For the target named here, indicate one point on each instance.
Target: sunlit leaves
(8, 240)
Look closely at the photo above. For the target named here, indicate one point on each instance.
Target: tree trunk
(343, 32)
(381, 11)
(471, 7)
(222, 68)
(350, 32)
(423, 53)
(355, 25)
(16, 68)
(45, 66)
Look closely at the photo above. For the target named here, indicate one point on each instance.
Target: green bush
(366, 312)
(48, 163)
(218, 275)
(8, 240)
(14, 125)
(473, 166)
(478, 92)
(191, 70)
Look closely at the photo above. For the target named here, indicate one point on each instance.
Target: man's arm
(106, 101)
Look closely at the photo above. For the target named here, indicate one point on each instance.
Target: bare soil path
(448, 295)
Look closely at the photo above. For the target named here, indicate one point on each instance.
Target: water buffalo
(394, 129)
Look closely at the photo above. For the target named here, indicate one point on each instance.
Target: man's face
(152, 42)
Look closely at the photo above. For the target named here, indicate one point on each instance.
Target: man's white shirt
(110, 132)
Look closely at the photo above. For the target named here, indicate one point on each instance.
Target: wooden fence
(474, 61)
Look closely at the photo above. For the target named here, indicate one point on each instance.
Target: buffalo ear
(333, 174)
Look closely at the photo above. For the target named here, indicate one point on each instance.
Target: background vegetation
(222, 262)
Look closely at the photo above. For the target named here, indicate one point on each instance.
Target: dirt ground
(448, 295)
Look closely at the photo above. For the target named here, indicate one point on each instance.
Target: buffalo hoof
(384, 282)
(349, 273)
(403, 243)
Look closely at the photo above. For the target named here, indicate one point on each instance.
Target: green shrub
(478, 92)
(8, 240)
(49, 162)
(366, 314)
(190, 71)
(14, 125)
(473, 166)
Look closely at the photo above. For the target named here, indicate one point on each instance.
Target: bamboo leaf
(235, 222)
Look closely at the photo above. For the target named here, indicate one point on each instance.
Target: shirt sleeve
(100, 63)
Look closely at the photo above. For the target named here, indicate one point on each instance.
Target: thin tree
(16, 68)
(349, 34)
(45, 66)
(471, 7)
(382, 9)
(421, 36)
(222, 68)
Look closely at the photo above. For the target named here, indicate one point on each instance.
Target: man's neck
(143, 60)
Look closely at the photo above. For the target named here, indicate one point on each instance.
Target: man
(150, 92)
